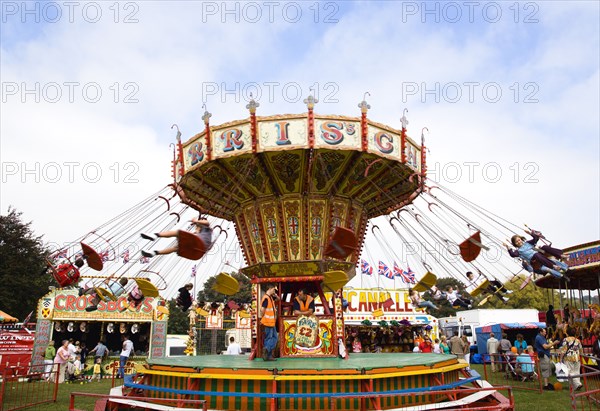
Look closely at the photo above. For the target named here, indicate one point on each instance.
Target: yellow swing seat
(428, 281)
(104, 295)
(334, 280)
(147, 288)
(226, 284)
(480, 288)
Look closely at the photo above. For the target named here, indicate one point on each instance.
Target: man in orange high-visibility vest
(268, 318)
(304, 304)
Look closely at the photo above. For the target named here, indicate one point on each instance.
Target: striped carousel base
(235, 383)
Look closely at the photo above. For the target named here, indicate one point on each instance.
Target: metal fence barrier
(21, 388)
(503, 369)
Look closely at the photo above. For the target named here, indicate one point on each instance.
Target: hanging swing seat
(342, 243)
(480, 288)
(226, 284)
(162, 309)
(202, 312)
(334, 280)
(428, 281)
(190, 246)
(471, 247)
(485, 300)
(104, 294)
(244, 314)
(94, 261)
(536, 265)
(526, 282)
(147, 288)
(64, 274)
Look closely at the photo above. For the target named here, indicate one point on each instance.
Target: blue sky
(152, 72)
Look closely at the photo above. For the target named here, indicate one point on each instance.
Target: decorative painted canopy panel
(288, 181)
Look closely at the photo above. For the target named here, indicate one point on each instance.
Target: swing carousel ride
(300, 192)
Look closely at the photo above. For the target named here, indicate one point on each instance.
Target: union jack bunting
(365, 268)
(409, 275)
(104, 255)
(125, 256)
(144, 260)
(385, 270)
(62, 253)
(398, 272)
(193, 271)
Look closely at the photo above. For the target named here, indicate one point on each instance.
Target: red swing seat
(190, 246)
(94, 261)
(65, 274)
(342, 243)
(471, 247)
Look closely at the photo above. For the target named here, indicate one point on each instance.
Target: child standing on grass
(97, 370)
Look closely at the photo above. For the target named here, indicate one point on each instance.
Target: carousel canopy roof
(244, 161)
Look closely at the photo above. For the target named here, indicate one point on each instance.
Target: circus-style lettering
(282, 128)
(232, 139)
(331, 132)
(195, 154)
(384, 142)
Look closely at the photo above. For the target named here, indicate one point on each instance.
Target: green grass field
(524, 400)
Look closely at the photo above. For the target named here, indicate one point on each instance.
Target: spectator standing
(234, 347)
(125, 353)
(543, 350)
(457, 346)
(504, 349)
(99, 351)
(49, 355)
(61, 358)
(570, 354)
(492, 349)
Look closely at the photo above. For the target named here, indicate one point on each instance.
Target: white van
(176, 345)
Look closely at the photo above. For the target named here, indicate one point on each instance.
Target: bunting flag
(365, 268)
(144, 260)
(398, 272)
(409, 275)
(26, 320)
(125, 256)
(104, 256)
(193, 271)
(384, 270)
(61, 254)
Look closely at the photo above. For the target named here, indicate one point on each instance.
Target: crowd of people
(68, 362)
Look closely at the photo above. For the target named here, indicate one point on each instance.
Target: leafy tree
(244, 295)
(179, 322)
(22, 259)
(445, 309)
(529, 297)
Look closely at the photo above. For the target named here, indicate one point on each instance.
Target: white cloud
(170, 53)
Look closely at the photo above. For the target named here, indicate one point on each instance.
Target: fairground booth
(62, 315)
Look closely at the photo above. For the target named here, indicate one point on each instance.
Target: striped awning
(6, 318)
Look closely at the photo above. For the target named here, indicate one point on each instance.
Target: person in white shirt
(455, 299)
(125, 353)
(233, 348)
(436, 347)
(492, 349)
(72, 349)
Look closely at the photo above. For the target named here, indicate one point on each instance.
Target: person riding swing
(202, 230)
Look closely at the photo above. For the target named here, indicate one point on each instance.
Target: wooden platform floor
(356, 362)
